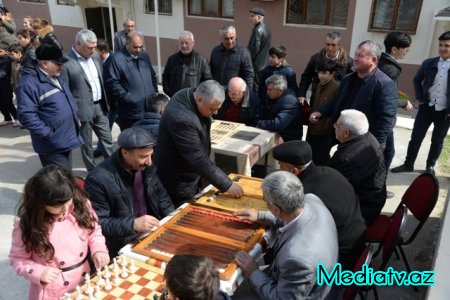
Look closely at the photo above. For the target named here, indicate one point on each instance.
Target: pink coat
(71, 244)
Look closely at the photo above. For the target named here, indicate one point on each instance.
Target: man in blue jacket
(46, 107)
(431, 85)
(131, 80)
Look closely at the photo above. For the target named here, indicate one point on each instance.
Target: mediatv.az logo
(367, 276)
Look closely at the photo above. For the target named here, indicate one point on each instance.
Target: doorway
(97, 20)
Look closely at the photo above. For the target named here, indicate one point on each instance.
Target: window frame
(147, 9)
(396, 10)
(328, 15)
(34, 1)
(202, 14)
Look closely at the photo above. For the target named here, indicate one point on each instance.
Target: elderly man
(308, 238)
(230, 59)
(186, 68)
(281, 111)
(431, 88)
(184, 143)
(333, 50)
(120, 37)
(131, 80)
(367, 89)
(125, 191)
(241, 105)
(83, 73)
(259, 43)
(46, 107)
(296, 157)
(360, 159)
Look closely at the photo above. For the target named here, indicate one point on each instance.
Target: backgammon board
(202, 231)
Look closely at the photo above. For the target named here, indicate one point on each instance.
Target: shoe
(402, 168)
(3, 123)
(389, 195)
(97, 154)
(430, 170)
(16, 124)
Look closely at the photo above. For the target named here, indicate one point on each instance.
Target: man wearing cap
(184, 144)
(335, 192)
(360, 159)
(125, 191)
(83, 73)
(259, 43)
(46, 107)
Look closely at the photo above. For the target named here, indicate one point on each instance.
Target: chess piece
(87, 280)
(123, 260)
(108, 285)
(79, 293)
(67, 296)
(97, 292)
(100, 280)
(107, 273)
(115, 266)
(124, 273)
(132, 266)
(90, 295)
(116, 279)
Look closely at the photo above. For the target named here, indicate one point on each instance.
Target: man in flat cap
(259, 43)
(335, 192)
(125, 191)
(46, 107)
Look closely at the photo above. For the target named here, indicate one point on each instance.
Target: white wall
(423, 42)
(66, 15)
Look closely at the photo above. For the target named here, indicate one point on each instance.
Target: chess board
(221, 130)
(146, 282)
(252, 197)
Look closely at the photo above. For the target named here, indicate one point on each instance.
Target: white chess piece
(97, 292)
(124, 273)
(79, 293)
(116, 279)
(108, 285)
(100, 280)
(107, 273)
(123, 260)
(90, 295)
(67, 296)
(132, 266)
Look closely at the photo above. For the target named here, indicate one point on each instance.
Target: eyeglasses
(235, 93)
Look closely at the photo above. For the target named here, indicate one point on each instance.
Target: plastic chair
(364, 259)
(420, 198)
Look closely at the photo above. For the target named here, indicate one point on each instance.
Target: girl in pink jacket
(55, 230)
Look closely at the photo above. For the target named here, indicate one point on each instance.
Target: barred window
(399, 15)
(164, 7)
(318, 12)
(34, 1)
(211, 8)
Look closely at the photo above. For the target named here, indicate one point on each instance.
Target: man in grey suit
(308, 237)
(83, 74)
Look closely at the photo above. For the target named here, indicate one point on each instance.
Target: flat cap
(296, 153)
(49, 52)
(135, 137)
(258, 11)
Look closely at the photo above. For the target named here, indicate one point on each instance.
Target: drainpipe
(158, 47)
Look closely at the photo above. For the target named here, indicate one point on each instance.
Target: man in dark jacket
(335, 192)
(259, 43)
(46, 107)
(241, 105)
(184, 143)
(434, 107)
(367, 89)
(360, 159)
(281, 111)
(131, 80)
(125, 191)
(230, 59)
(154, 108)
(186, 68)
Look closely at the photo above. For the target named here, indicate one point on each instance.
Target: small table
(239, 150)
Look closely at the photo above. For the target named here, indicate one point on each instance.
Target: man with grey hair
(368, 90)
(120, 37)
(360, 159)
(230, 59)
(184, 144)
(83, 74)
(280, 110)
(306, 239)
(186, 68)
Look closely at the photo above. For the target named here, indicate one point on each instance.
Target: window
(164, 7)
(389, 15)
(34, 1)
(66, 2)
(211, 8)
(318, 12)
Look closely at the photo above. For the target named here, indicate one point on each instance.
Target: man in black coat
(360, 159)
(335, 192)
(184, 143)
(125, 191)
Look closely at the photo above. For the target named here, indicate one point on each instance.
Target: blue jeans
(425, 117)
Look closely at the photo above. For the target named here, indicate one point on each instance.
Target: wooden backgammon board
(252, 197)
(202, 231)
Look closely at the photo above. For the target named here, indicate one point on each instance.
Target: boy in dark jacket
(154, 108)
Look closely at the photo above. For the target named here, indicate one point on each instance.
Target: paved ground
(18, 162)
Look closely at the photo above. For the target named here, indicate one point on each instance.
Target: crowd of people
(162, 159)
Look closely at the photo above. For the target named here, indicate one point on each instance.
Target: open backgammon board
(202, 231)
(252, 197)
